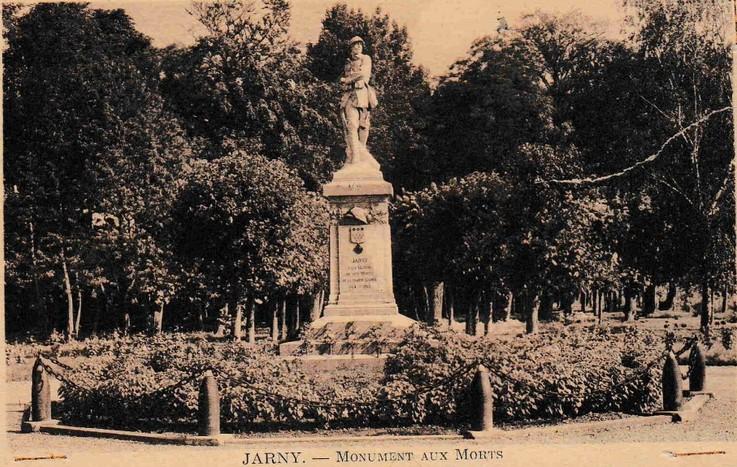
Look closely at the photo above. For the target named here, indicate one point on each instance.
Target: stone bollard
(40, 393)
(482, 403)
(672, 384)
(697, 374)
(208, 406)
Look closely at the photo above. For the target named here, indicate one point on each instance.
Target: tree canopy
(552, 163)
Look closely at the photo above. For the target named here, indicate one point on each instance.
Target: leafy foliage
(548, 376)
(245, 79)
(152, 382)
(245, 226)
(86, 137)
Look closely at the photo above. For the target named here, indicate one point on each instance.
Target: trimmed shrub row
(550, 376)
(152, 383)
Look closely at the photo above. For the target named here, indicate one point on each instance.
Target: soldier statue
(356, 103)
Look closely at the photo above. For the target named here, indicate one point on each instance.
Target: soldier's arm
(363, 74)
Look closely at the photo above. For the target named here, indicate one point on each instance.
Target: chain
(56, 362)
(596, 393)
(422, 389)
(68, 381)
(63, 378)
(193, 376)
(450, 379)
(689, 343)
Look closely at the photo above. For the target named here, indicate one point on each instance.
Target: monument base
(360, 325)
(361, 314)
(348, 335)
(379, 310)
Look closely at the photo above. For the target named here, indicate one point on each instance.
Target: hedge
(545, 376)
(152, 383)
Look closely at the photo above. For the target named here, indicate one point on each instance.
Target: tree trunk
(499, 307)
(200, 318)
(705, 308)
(595, 302)
(159, 318)
(667, 304)
(530, 309)
(546, 307)
(628, 308)
(293, 319)
(126, 322)
(725, 294)
(283, 319)
(70, 299)
(275, 321)
(566, 303)
(485, 312)
(297, 320)
(223, 312)
(79, 310)
(508, 306)
(237, 332)
(96, 316)
(468, 317)
(425, 304)
(321, 303)
(437, 303)
(605, 301)
(582, 299)
(472, 314)
(449, 300)
(599, 306)
(648, 306)
(415, 294)
(475, 306)
(315, 309)
(251, 320)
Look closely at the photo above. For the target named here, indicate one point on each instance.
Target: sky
(441, 31)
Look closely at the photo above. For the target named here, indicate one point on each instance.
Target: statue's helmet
(356, 39)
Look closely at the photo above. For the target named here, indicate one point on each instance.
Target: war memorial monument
(361, 288)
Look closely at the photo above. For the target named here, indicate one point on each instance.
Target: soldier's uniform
(356, 91)
(358, 72)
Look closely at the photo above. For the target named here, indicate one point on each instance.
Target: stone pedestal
(361, 286)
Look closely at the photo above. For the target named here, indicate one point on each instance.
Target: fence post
(482, 403)
(672, 385)
(208, 406)
(40, 393)
(697, 373)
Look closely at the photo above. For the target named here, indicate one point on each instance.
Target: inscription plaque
(361, 263)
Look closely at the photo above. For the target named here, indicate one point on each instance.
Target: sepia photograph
(369, 232)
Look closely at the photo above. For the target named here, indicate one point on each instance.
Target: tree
(247, 230)
(682, 46)
(245, 79)
(446, 228)
(81, 102)
(489, 104)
